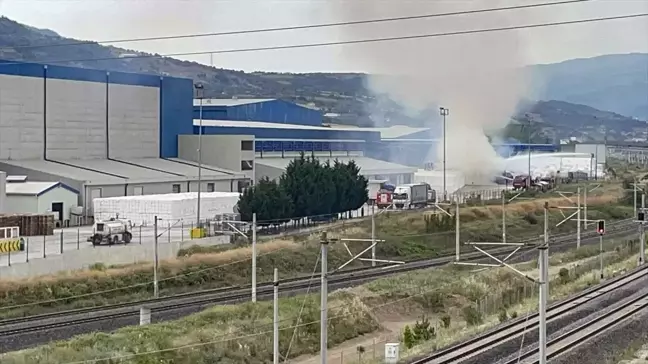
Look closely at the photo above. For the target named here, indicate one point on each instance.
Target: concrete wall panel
(21, 117)
(3, 191)
(133, 121)
(76, 119)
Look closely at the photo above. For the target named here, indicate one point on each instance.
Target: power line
(349, 42)
(301, 27)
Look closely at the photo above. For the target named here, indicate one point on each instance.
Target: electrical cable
(301, 309)
(229, 338)
(347, 42)
(139, 284)
(302, 27)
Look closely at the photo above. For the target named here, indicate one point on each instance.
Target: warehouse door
(57, 208)
(138, 191)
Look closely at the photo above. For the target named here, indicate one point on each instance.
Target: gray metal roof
(181, 167)
(228, 102)
(260, 124)
(34, 188)
(368, 166)
(62, 170)
(391, 132)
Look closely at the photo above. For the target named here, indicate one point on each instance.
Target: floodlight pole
(635, 196)
(254, 257)
(444, 112)
(199, 91)
(275, 319)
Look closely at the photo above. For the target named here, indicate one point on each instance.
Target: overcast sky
(120, 19)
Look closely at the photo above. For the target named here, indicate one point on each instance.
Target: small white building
(40, 197)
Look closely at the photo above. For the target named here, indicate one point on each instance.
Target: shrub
(445, 321)
(514, 315)
(472, 316)
(563, 275)
(503, 316)
(408, 338)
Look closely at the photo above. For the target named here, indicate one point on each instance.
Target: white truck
(411, 195)
(112, 231)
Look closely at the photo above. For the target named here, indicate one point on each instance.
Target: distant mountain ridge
(618, 83)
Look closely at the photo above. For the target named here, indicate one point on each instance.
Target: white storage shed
(40, 197)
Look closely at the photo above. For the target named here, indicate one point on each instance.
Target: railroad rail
(587, 330)
(77, 317)
(473, 347)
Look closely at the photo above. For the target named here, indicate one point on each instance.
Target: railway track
(578, 335)
(79, 317)
(473, 347)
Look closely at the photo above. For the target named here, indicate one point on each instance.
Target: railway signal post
(601, 231)
(641, 218)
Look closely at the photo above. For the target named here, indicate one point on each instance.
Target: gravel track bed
(604, 348)
(511, 348)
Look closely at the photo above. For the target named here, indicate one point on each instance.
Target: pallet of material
(29, 224)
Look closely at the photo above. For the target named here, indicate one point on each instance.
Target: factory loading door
(57, 209)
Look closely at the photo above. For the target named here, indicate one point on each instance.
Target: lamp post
(528, 184)
(444, 112)
(199, 93)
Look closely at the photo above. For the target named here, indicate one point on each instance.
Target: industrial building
(262, 136)
(101, 133)
(25, 196)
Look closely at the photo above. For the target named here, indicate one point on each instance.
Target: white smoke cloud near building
(480, 78)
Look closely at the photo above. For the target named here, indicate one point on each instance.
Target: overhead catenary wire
(140, 284)
(246, 336)
(301, 27)
(346, 42)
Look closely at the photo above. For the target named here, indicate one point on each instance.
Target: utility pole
(601, 232)
(578, 217)
(543, 263)
(324, 299)
(254, 257)
(503, 217)
(585, 208)
(635, 196)
(275, 319)
(156, 292)
(373, 235)
(457, 229)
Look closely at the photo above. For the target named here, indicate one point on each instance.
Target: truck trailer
(411, 195)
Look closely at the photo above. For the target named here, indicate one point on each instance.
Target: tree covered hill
(618, 83)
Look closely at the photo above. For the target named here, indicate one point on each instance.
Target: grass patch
(450, 300)
(407, 235)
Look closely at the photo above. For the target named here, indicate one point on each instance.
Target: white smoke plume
(479, 77)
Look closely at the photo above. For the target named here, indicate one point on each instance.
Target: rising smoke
(478, 77)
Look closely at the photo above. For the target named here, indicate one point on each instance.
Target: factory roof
(179, 167)
(228, 102)
(260, 124)
(63, 170)
(35, 188)
(368, 166)
(391, 132)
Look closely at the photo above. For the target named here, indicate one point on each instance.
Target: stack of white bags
(141, 210)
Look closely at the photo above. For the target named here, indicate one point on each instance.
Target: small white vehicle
(112, 231)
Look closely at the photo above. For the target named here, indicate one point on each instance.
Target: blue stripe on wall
(176, 100)
(76, 74)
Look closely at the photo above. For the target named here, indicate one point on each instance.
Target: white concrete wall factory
(133, 122)
(21, 117)
(76, 119)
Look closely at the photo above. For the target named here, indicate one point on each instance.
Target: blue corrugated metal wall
(176, 100)
(275, 111)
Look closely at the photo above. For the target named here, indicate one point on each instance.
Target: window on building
(247, 145)
(138, 190)
(176, 188)
(242, 185)
(247, 165)
(211, 187)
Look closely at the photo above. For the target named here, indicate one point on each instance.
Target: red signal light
(601, 227)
